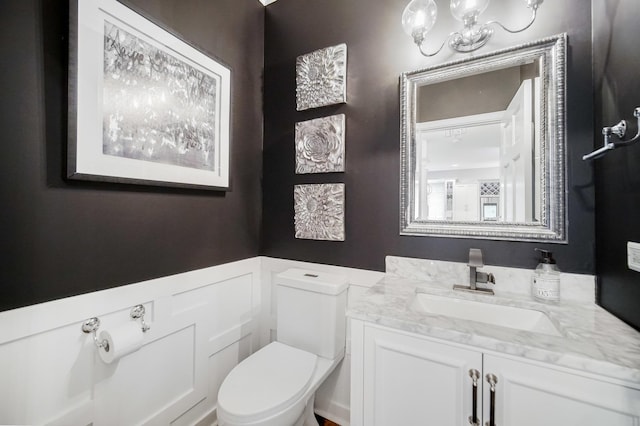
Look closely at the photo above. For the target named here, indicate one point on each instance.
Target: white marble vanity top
(591, 340)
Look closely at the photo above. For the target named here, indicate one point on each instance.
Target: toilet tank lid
(319, 282)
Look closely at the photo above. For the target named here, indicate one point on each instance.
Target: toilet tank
(311, 311)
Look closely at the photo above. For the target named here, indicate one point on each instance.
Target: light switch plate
(633, 255)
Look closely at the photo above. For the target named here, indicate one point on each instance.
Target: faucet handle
(475, 258)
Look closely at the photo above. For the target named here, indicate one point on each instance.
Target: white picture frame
(161, 118)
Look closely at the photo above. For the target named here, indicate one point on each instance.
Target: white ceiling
(266, 2)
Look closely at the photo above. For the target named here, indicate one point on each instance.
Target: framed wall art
(145, 107)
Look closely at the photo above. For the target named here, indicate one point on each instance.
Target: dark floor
(324, 422)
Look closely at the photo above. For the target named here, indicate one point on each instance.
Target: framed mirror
(483, 146)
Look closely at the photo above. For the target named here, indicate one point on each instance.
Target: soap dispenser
(546, 279)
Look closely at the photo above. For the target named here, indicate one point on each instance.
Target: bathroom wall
(62, 238)
(203, 323)
(378, 51)
(477, 94)
(617, 59)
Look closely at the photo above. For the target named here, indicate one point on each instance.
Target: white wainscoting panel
(203, 323)
(42, 373)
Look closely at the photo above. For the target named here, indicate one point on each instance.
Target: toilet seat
(265, 383)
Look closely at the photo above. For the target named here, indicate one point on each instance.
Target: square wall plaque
(319, 211)
(320, 145)
(321, 77)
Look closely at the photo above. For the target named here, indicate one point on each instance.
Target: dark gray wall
(617, 60)
(60, 238)
(378, 51)
(477, 94)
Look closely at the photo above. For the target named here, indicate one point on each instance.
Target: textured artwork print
(145, 107)
(156, 108)
(321, 77)
(320, 145)
(319, 211)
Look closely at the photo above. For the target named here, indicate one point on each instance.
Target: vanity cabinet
(412, 381)
(528, 394)
(400, 378)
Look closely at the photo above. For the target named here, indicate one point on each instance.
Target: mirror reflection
(483, 146)
(479, 160)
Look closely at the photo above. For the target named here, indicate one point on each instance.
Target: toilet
(276, 385)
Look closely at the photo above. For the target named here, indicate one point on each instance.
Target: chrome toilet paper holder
(137, 312)
(93, 324)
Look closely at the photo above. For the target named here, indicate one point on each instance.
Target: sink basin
(504, 316)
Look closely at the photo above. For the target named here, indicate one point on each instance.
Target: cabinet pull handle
(492, 380)
(475, 375)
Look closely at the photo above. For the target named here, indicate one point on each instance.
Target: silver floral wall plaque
(319, 211)
(321, 77)
(320, 145)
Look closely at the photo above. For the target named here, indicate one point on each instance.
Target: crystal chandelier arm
(428, 55)
(534, 12)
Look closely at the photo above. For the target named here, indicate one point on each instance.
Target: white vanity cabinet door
(411, 381)
(532, 395)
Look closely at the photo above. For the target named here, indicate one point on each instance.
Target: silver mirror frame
(553, 225)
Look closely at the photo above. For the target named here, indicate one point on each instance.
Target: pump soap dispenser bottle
(546, 279)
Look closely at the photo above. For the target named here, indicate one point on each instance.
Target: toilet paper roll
(121, 341)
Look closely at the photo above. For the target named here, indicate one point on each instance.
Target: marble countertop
(591, 340)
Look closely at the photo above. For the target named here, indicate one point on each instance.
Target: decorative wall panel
(319, 211)
(321, 77)
(320, 145)
(193, 317)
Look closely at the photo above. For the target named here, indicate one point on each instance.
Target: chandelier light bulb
(468, 11)
(418, 18)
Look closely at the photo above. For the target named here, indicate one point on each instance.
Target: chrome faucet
(475, 277)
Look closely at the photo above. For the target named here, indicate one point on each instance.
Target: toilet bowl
(273, 387)
(276, 385)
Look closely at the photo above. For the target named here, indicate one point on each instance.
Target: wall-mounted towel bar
(618, 131)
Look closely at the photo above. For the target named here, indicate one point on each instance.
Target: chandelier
(420, 16)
